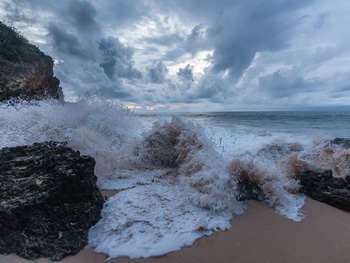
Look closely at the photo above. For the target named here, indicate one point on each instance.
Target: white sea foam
(178, 178)
(152, 220)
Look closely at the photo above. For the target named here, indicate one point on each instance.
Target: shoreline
(258, 235)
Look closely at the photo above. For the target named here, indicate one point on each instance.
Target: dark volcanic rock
(247, 190)
(323, 187)
(48, 200)
(342, 142)
(24, 70)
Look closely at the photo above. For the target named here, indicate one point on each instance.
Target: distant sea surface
(309, 123)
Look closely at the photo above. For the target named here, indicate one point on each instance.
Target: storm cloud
(117, 59)
(186, 74)
(207, 54)
(158, 72)
(65, 43)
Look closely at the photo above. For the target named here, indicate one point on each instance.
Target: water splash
(176, 179)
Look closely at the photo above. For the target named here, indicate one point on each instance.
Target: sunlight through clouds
(205, 54)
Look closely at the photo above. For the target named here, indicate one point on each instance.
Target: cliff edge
(25, 70)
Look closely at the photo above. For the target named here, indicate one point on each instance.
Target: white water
(178, 178)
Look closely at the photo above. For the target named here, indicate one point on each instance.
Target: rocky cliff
(25, 70)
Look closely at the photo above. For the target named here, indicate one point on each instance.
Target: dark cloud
(88, 59)
(65, 42)
(195, 39)
(158, 72)
(177, 44)
(112, 45)
(237, 30)
(117, 59)
(251, 27)
(211, 87)
(282, 84)
(82, 16)
(122, 13)
(185, 74)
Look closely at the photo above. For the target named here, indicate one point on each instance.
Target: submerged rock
(323, 187)
(247, 190)
(48, 200)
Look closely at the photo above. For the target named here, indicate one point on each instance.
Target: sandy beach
(259, 235)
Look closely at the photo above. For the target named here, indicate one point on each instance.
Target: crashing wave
(184, 146)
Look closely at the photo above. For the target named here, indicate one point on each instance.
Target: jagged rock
(24, 70)
(247, 190)
(342, 142)
(323, 187)
(48, 200)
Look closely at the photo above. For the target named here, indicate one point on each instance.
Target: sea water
(177, 173)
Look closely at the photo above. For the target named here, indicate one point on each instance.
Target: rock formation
(323, 187)
(48, 200)
(247, 190)
(319, 185)
(24, 70)
(342, 142)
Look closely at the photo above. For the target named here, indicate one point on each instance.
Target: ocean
(177, 173)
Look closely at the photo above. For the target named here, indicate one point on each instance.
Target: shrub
(14, 46)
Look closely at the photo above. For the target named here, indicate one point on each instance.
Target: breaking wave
(176, 178)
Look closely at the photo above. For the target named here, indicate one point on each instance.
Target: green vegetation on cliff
(25, 71)
(14, 46)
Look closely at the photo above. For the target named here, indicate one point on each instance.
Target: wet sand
(259, 235)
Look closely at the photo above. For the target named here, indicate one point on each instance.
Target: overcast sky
(195, 55)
